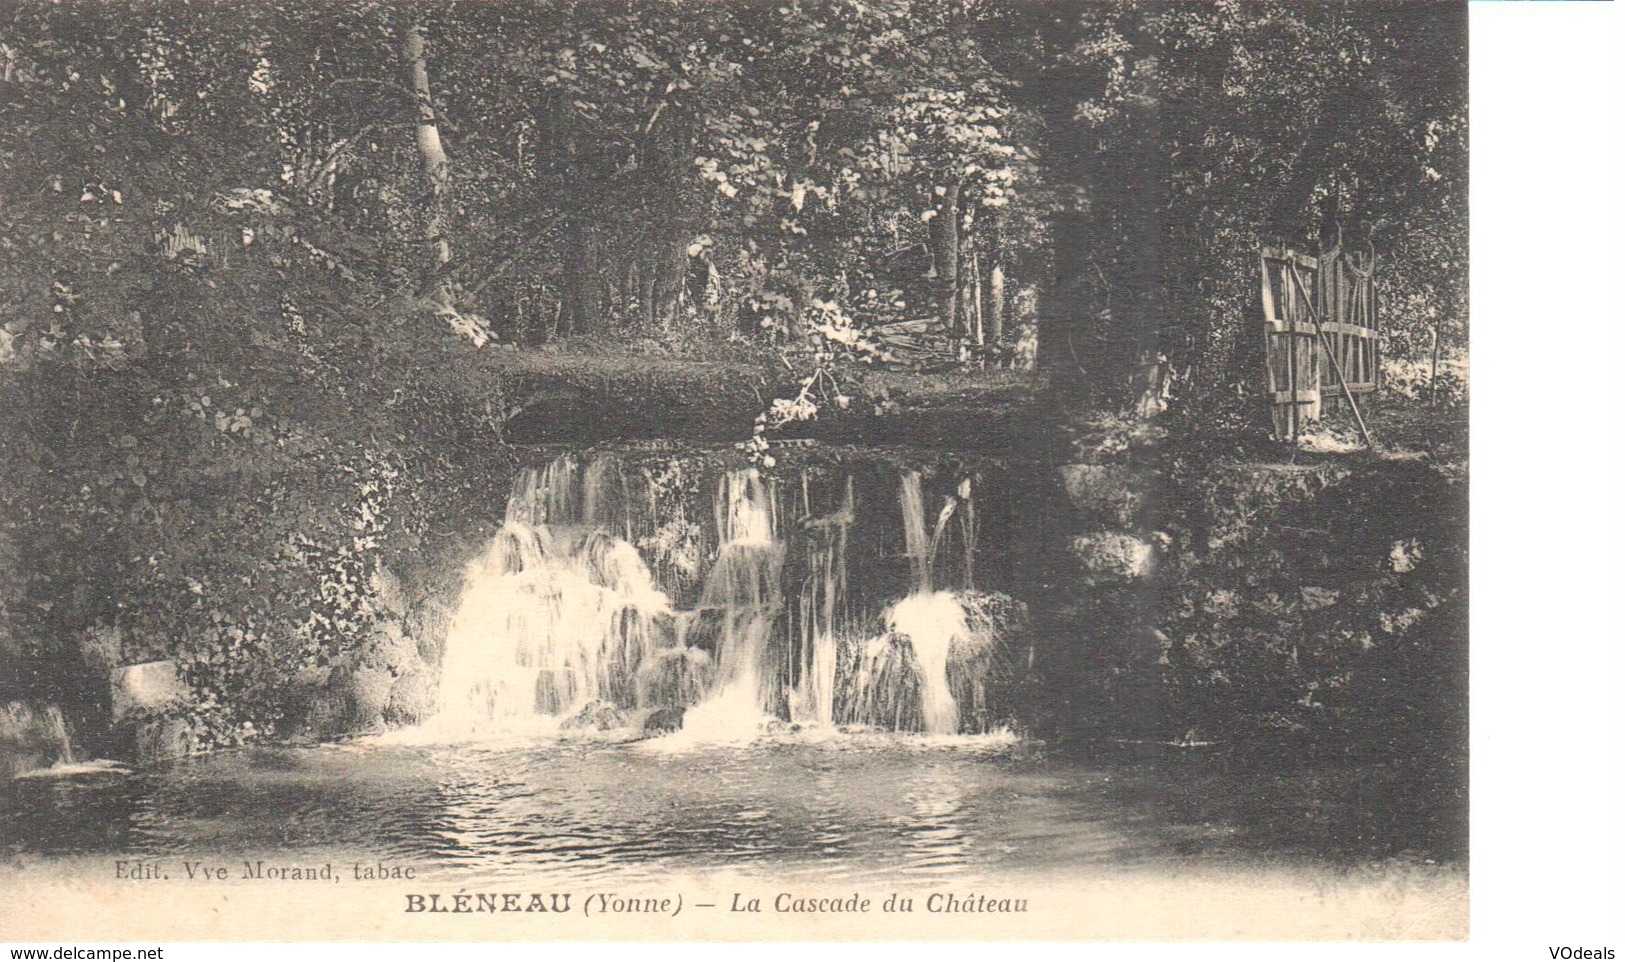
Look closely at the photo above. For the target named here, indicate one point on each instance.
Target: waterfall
(32, 738)
(548, 496)
(556, 614)
(745, 596)
(905, 677)
(561, 622)
(821, 608)
(917, 546)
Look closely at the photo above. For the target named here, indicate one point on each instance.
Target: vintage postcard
(807, 470)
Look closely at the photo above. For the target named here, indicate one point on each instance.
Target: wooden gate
(1292, 358)
(1347, 305)
(1320, 332)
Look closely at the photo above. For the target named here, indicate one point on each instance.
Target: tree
(1189, 134)
(436, 168)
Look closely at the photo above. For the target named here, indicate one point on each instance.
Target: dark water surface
(857, 807)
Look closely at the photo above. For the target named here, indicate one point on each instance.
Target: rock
(427, 625)
(413, 699)
(1108, 494)
(307, 703)
(995, 614)
(354, 700)
(388, 648)
(1114, 557)
(370, 689)
(149, 688)
(663, 720)
(102, 648)
(596, 716)
(328, 714)
(163, 739)
(387, 592)
(677, 677)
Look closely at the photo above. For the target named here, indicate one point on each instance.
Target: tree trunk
(668, 295)
(1433, 369)
(973, 306)
(1343, 109)
(945, 257)
(581, 281)
(436, 168)
(995, 282)
(1065, 320)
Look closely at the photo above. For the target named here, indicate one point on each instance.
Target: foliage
(1303, 608)
(239, 380)
(1196, 132)
(199, 453)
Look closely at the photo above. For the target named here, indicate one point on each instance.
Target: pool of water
(836, 807)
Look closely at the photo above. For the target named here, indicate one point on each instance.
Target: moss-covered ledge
(583, 395)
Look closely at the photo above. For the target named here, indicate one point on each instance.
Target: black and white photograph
(818, 470)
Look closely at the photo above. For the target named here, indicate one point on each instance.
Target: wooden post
(1292, 358)
(1371, 316)
(1266, 296)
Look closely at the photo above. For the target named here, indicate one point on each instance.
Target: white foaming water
(97, 766)
(555, 616)
(934, 625)
(561, 624)
(822, 609)
(34, 738)
(747, 509)
(916, 543)
(905, 677)
(744, 589)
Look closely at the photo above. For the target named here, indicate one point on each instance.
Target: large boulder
(387, 647)
(663, 720)
(1110, 495)
(595, 716)
(412, 699)
(354, 699)
(1114, 557)
(164, 739)
(388, 594)
(150, 688)
(369, 690)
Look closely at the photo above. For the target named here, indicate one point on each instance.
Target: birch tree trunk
(945, 257)
(436, 167)
(995, 281)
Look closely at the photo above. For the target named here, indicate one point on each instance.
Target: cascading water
(822, 607)
(905, 677)
(32, 738)
(744, 597)
(556, 615)
(561, 618)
